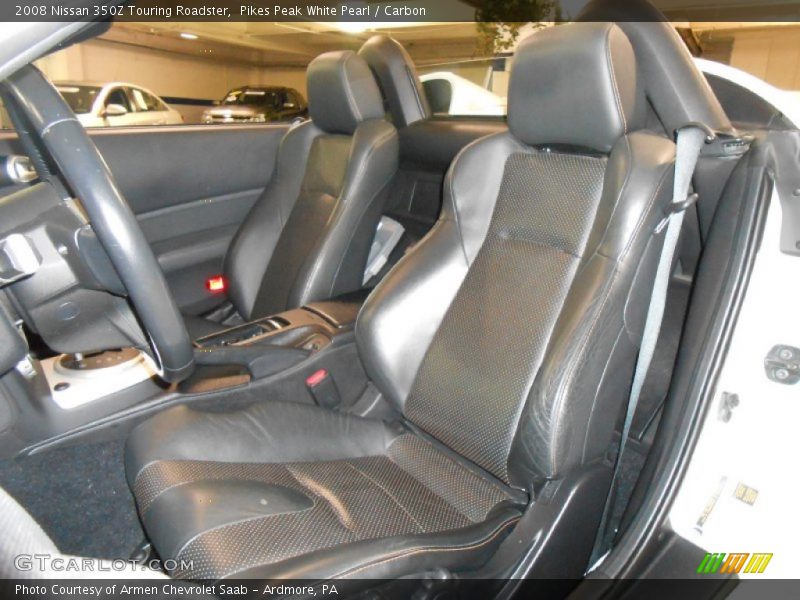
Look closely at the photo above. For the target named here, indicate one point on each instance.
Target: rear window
(79, 97)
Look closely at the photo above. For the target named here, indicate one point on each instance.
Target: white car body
(733, 495)
(142, 107)
(468, 98)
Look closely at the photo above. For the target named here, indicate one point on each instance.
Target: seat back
(308, 236)
(510, 332)
(397, 78)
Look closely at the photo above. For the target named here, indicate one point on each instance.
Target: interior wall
(773, 55)
(769, 53)
(164, 73)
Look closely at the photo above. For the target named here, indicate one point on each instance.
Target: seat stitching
(613, 77)
(515, 238)
(350, 97)
(421, 549)
(458, 466)
(160, 492)
(198, 535)
(339, 511)
(388, 493)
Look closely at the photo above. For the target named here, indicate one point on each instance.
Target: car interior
(198, 364)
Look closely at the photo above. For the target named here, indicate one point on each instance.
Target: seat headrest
(397, 78)
(342, 92)
(575, 85)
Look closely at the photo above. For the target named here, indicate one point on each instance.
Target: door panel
(190, 241)
(190, 187)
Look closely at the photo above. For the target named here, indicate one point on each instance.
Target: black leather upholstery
(342, 92)
(397, 77)
(669, 75)
(308, 237)
(276, 481)
(506, 338)
(471, 278)
(581, 96)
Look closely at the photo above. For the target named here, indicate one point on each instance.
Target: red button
(216, 284)
(316, 378)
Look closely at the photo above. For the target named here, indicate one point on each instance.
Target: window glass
(118, 96)
(153, 103)
(145, 102)
(252, 97)
(80, 98)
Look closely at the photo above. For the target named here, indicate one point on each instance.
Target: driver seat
(506, 339)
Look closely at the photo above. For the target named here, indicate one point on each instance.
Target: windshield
(79, 97)
(252, 97)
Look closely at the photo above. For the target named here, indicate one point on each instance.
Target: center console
(268, 346)
(301, 328)
(310, 328)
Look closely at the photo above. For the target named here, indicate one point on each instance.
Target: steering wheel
(54, 124)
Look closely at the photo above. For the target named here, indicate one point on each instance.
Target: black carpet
(80, 498)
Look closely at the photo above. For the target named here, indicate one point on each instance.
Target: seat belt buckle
(674, 208)
(323, 389)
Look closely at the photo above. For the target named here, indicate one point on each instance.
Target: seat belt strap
(690, 140)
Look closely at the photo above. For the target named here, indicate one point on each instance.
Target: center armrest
(340, 311)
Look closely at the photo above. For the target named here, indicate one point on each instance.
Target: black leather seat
(397, 78)
(506, 339)
(308, 237)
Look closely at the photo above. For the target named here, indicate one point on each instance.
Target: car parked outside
(116, 104)
(258, 104)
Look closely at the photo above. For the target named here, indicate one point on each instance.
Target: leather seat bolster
(264, 432)
(215, 503)
(252, 247)
(398, 320)
(603, 317)
(388, 558)
(336, 264)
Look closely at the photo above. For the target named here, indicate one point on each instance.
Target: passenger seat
(308, 237)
